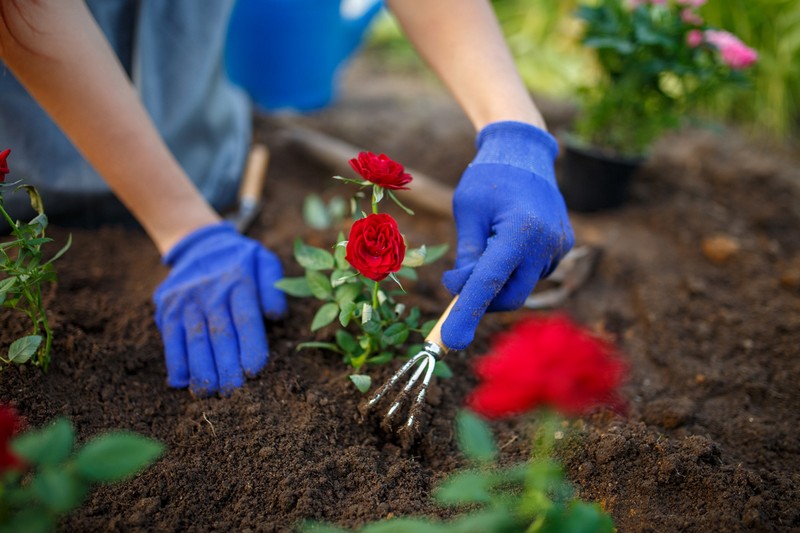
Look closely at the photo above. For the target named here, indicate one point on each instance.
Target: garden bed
(710, 441)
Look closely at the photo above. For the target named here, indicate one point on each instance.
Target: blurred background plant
(544, 38)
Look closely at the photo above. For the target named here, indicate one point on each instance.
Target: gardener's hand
(210, 309)
(512, 225)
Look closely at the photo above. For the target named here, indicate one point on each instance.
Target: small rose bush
(658, 61)
(374, 326)
(545, 368)
(23, 272)
(44, 476)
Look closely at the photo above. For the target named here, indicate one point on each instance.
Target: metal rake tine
(433, 349)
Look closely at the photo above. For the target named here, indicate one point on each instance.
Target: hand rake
(433, 350)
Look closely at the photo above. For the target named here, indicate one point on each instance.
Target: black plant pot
(592, 180)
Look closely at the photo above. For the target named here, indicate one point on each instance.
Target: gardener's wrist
(519, 145)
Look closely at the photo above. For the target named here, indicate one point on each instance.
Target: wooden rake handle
(435, 335)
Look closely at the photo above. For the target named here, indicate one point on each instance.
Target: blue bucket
(287, 53)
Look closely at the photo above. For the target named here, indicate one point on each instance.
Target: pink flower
(694, 38)
(734, 52)
(690, 17)
(546, 362)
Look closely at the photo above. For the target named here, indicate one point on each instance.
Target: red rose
(10, 424)
(4, 164)
(381, 170)
(546, 362)
(375, 247)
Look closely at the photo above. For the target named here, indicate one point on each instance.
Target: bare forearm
(62, 58)
(462, 41)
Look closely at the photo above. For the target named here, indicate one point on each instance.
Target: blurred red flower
(4, 164)
(381, 170)
(10, 424)
(548, 362)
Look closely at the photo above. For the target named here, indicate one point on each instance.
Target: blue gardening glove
(210, 309)
(512, 226)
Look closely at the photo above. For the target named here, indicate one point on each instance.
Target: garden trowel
(250, 191)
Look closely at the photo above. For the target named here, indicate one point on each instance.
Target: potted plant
(657, 60)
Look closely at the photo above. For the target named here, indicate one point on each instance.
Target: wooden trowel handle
(435, 335)
(254, 174)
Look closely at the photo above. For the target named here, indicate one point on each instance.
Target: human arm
(57, 51)
(512, 223)
(209, 309)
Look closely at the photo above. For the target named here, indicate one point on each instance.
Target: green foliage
(773, 28)
(23, 272)
(651, 76)
(58, 477)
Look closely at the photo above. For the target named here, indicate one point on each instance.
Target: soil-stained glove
(512, 225)
(210, 309)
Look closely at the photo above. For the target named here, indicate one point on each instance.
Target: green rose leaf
(59, 490)
(346, 313)
(442, 370)
(315, 213)
(340, 252)
(463, 488)
(346, 342)
(319, 284)
(347, 293)
(116, 456)
(475, 438)
(311, 257)
(48, 446)
(395, 334)
(22, 349)
(325, 315)
(297, 287)
(415, 257)
(361, 381)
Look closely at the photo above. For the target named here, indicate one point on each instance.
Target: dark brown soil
(710, 442)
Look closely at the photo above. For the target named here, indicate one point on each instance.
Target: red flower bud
(381, 170)
(546, 362)
(375, 246)
(4, 164)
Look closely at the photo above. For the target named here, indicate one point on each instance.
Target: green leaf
(499, 519)
(404, 525)
(434, 253)
(324, 316)
(442, 370)
(62, 251)
(395, 334)
(415, 257)
(319, 284)
(346, 313)
(116, 456)
(339, 253)
(47, 446)
(59, 490)
(297, 287)
(463, 488)
(30, 520)
(377, 194)
(427, 327)
(22, 349)
(315, 213)
(381, 359)
(579, 517)
(408, 273)
(316, 344)
(346, 341)
(347, 293)
(311, 257)
(36, 201)
(399, 203)
(361, 381)
(475, 438)
(413, 317)
(7, 284)
(371, 326)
